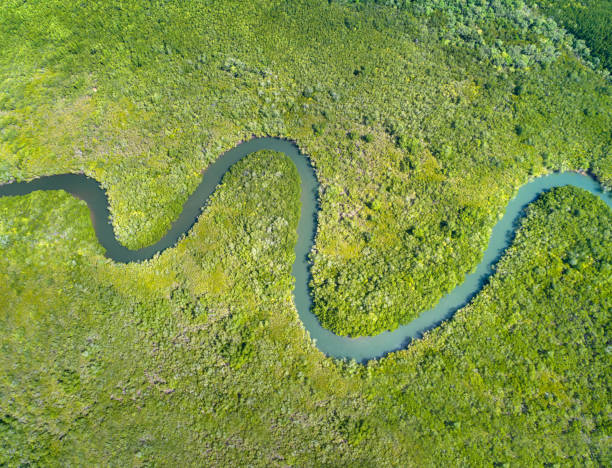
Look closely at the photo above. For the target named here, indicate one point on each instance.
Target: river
(361, 349)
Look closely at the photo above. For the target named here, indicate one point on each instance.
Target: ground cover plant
(421, 123)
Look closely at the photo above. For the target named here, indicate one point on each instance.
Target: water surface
(363, 348)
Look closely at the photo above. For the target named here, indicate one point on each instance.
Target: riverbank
(360, 349)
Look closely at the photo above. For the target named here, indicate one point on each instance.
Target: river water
(363, 348)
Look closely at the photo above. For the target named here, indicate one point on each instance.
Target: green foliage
(507, 33)
(589, 21)
(144, 96)
(411, 119)
(105, 364)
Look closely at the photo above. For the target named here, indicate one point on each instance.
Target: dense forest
(421, 122)
(157, 364)
(587, 20)
(404, 117)
(590, 21)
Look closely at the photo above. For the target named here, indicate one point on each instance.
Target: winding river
(363, 348)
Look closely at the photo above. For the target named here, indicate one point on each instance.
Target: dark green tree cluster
(589, 21)
(510, 33)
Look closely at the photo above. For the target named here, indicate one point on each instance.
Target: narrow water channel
(363, 348)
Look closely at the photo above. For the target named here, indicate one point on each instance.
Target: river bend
(363, 348)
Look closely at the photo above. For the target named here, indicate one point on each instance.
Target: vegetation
(589, 21)
(509, 33)
(421, 122)
(405, 120)
(156, 364)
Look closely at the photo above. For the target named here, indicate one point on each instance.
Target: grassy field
(421, 123)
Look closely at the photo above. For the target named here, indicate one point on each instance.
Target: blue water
(363, 348)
